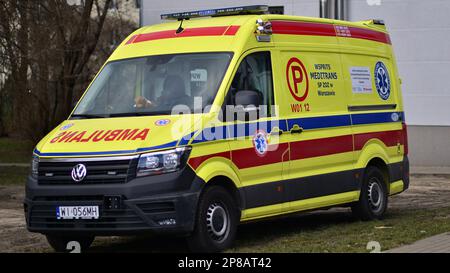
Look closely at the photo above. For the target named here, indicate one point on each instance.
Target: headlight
(34, 166)
(162, 161)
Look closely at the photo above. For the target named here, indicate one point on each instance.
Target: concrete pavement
(435, 244)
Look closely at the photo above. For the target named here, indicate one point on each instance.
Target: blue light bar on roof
(256, 9)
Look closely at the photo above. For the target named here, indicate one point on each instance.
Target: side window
(255, 73)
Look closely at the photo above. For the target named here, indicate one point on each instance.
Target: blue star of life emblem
(260, 142)
(382, 81)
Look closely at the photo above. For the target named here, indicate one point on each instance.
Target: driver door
(259, 153)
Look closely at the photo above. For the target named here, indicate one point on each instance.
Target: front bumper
(161, 203)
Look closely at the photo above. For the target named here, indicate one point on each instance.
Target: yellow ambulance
(223, 116)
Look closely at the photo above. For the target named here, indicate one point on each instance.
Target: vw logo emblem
(79, 172)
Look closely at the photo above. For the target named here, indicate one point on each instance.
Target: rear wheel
(60, 243)
(216, 221)
(373, 200)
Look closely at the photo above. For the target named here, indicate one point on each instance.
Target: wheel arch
(383, 167)
(230, 186)
(374, 154)
(219, 171)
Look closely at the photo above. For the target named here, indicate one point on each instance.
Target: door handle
(296, 129)
(276, 131)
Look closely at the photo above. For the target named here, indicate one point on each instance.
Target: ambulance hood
(116, 136)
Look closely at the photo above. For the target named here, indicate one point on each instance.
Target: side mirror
(247, 98)
(247, 104)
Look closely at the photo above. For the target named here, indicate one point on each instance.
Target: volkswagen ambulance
(220, 117)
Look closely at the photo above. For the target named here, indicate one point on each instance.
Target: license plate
(77, 212)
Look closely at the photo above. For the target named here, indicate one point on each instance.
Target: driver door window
(255, 73)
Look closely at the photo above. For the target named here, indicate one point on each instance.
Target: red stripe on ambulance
(302, 28)
(321, 29)
(369, 34)
(245, 158)
(321, 147)
(195, 162)
(187, 32)
(389, 138)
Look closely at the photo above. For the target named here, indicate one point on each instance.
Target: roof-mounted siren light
(255, 9)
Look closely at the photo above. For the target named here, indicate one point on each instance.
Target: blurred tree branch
(48, 50)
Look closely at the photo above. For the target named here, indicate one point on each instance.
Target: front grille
(98, 172)
(96, 198)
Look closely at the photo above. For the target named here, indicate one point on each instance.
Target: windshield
(154, 85)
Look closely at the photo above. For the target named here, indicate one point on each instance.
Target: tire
(373, 199)
(59, 242)
(216, 221)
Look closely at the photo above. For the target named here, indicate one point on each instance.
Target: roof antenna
(180, 28)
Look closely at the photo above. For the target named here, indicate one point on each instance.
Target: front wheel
(373, 200)
(216, 221)
(60, 243)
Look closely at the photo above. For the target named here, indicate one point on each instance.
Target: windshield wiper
(137, 114)
(88, 116)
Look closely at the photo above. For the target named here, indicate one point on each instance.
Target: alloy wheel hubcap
(217, 222)
(375, 195)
